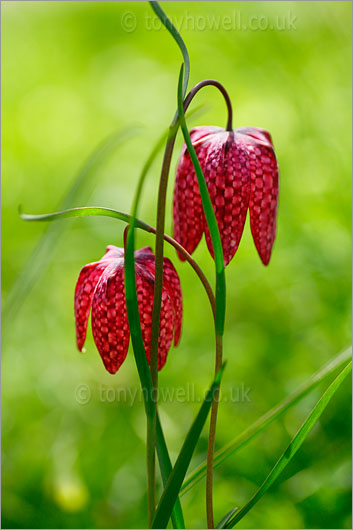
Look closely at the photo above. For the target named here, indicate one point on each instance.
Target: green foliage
(71, 76)
(292, 448)
(265, 421)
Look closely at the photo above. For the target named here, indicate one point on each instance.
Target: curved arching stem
(163, 17)
(220, 87)
(196, 268)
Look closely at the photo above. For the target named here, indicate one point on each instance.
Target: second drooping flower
(100, 285)
(241, 173)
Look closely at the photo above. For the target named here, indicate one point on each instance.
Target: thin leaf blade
(294, 445)
(176, 477)
(166, 468)
(178, 39)
(222, 523)
(267, 419)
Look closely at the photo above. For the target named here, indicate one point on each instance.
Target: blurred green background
(75, 72)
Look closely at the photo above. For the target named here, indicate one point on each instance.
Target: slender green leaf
(166, 469)
(264, 421)
(131, 293)
(294, 445)
(177, 37)
(84, 211)
(209, 215)
(222, 523)
(176, 477)
(138, 346)
(42, 254)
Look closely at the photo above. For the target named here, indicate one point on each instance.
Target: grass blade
(176, 477)
(84, 211)
(166, 469)
(264, 421)
(294, 445)
(178, 39)
(222, 523)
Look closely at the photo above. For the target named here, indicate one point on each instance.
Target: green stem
(220, 275)
(220, 87)
(151, 466)
(162, 193)
(160, 226)
(166, 470)
(176, 477)
(157, 295)
(212, 437)
(158, 285)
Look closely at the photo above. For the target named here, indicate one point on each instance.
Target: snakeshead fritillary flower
(241, 172)
(100, 285)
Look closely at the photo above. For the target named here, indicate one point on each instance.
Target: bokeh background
(74, 73)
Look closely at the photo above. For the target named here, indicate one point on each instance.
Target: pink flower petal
(241, 171)
(263, 198)
(227, 173)
(258, 134)
(101, 285)
(145, 292)
(109, 318)
(187, 205)
(86, 284)
(171, 283)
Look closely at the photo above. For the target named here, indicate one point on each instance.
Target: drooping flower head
(100, 285)
(241, 173)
